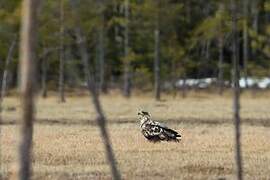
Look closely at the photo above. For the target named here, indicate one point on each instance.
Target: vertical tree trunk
(207, 48)
(61, 58)
(255, 15)
(245, 41)
(101, 119)
(101, 62)
(220, 66)
(221, 53)
(127, 73)
(116, 28)
(267, 17)
(236, 91)
(101, 53)
(174, 78)
(44, 76)
(188, 10)
(157, 65)
(184, 87)
(157, 55)
(5, 74)
(255, 28)
(255, 21)
(27, 68)
(102, 85)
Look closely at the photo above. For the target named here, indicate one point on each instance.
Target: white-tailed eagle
(155, 131)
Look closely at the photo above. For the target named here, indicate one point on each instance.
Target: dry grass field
(67, 144)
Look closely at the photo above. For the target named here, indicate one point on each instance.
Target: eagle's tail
(171, 135)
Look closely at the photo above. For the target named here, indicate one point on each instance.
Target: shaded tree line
(140, 44)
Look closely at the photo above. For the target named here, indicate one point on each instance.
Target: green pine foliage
(189, 34)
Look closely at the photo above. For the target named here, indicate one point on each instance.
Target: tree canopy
(190, 33)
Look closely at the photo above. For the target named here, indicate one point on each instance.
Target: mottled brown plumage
(155, 131)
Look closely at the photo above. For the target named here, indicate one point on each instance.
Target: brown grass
(67, 143)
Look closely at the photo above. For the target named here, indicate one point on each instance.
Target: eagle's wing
(151, 132)
(163, 126)
(154, 129)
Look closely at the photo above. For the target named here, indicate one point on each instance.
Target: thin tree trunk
(207, 53)
(116, 28)
(184, 87)
(61, 58)
(27, 68)
(101, 119)
(127, 73)
(44, 67)
(267, 20)
(255, 27)
(205, 58)
(101, 53)
(255, 22)
(236, 91)
(157, 55)
(188, 10)
(174, 78)
(101, 62)
(246, 41)
(220, 65)
(157, 65)
(221, 53)
(255, 15)
(5, 74)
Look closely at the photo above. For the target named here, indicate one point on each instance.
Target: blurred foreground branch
(101, 120)
(28, 46)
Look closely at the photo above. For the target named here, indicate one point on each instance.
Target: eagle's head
(143, 116)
